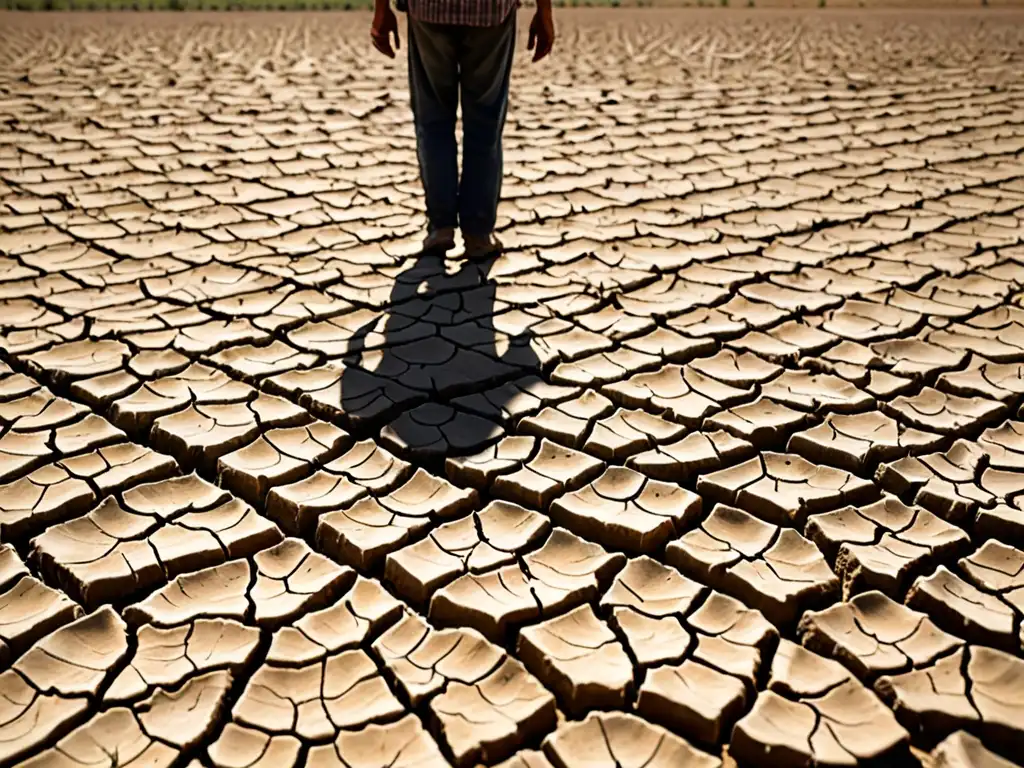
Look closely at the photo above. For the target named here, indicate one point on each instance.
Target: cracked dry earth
(721, 460)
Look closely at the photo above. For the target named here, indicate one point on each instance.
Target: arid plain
(720, 460)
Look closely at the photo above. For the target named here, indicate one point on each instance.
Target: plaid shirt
(470, 13)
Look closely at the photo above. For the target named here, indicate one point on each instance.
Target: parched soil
(720, 459)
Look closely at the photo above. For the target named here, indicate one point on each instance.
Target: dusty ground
(721, 453)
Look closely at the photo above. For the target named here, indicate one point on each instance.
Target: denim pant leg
(485, 62)
(434, 94)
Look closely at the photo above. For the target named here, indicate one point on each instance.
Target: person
(462, 45)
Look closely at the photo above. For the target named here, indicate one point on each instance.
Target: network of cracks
(721, 459)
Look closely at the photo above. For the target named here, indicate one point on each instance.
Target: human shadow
(430, 374)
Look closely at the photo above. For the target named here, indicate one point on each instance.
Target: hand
(384, 25)
(542, 34)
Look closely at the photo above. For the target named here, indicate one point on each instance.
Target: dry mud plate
(722, 461)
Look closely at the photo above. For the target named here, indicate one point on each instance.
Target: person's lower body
(444, 60)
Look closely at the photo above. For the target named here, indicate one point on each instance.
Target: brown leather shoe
(481, 246)
(442, 239)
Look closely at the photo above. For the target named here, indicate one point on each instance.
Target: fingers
(383, 44)
(544, 45)
(542, 37)
(380, 35)
(381, 38)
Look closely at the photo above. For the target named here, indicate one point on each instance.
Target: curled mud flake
(814, 710)
(158, 530)
(401, 744)
(578, 657)
(623, 509)
(976, 688)
(610, 739)
(565, 572)
(872, 636)
(480, 542)
(883, 545)
(783, 488)
(775, 570)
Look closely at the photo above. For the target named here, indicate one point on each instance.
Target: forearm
(544, 6)
(383, 5)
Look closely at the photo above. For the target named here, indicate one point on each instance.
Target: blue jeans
(443, 58)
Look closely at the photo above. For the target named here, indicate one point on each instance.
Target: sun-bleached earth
(720, 459)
